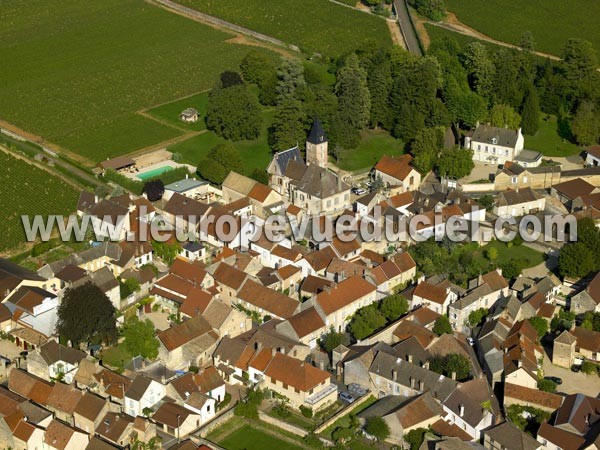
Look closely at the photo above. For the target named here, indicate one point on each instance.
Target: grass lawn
(254, 154)
(116, 356)
(313, 25)
(79, 72)
(373, 146)
(548, 141)
(248, 438)
(522, 254)
(169, 112)
(551, 22)
(28, 190)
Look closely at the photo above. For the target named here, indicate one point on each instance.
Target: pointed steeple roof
(317, 134)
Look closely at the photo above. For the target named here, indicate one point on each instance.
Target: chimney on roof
(454, 375)
(426, 365)
(461, 410)
(394, 375)
(421, 385)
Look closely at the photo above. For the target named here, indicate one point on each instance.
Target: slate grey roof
(53, 352)
(104, 279)
(528, 156)
(320, 182)
(184, 185)
(109, 249)
(138, 388)
(283, 158)
(317, 134)
(440, 386)
(504, 136)
(509, 436)
(470, 396)
(511, 197)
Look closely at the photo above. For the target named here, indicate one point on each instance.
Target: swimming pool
(153, 173)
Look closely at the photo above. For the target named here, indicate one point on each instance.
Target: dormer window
(494, 140)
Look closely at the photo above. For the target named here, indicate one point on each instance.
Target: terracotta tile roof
(113, 426)
(587, 339)
(293, 210)
(180, 205)
(444, 428)
(172, 282)
(185, 385)
(306, 322)
(495, 280)
(58, 434)
(398, 168)
(64, 398)
(29, 386)
(192, 271)
(561, 438)
(185, 332)
(533, 396)
(171, 414)
(578, 413)
(320, 259)
(208, 379)
(424, 316)
(418, 410)
(259, 192)
(23, 431)
(229, 276)
(288, 271)
(408, 328)
(295, 373)
(261, 359)
(346, 292)
(314, 285)
(374, 257)
(345, 248)
(548, 310)
(196, 302)
(574, 188)
(53, 352)
(286, 253)
(430, 292)
(267, 299)
(114, 384)
(90, 406)
(344, 269)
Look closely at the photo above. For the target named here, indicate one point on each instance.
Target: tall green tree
(393, 307)
(289, 125)
(425, 148)
(291, 79)
(586, 124)
(233, 113)
(455, 162)
(480, 68)
(219, 161)
(504, 116)
(527, 43)
(579, 59)
(380, 84)
(261, 69)
(530, 113)
(139, 338)
(442, 326)
(575, 260)
(378, 428)
(86, 315)
(354, 100)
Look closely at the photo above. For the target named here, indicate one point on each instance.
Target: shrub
(306, 411)
(588, 367)
(546, 385)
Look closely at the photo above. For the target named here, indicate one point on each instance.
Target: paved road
(573, 383)
(406, 27)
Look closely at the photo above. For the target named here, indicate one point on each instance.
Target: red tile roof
(295, 373)
(398, 168)
(346, 292)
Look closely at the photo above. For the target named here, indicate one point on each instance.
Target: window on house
(514, 179)
(285, 386)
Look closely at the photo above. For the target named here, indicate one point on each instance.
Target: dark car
(575, 368)
(347, 397)
(554, 379)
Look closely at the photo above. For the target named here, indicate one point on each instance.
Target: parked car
(554, 379)
(358, 191)
(347, 397)
(471, 341)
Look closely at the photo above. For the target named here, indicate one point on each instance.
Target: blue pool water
(153, 173)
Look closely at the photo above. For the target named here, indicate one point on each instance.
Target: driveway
(159, 319)
(573, 383)
(481, 171)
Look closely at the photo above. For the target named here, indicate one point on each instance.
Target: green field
(313, 25)
(169, 112)
(248, 438)
(254, 154)
(436, 33)
(374, 144)
(548, 141)
(518, 253)
(77, 73)
(551, 22)
(28, 190)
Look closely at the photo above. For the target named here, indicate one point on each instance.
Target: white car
(471, 341)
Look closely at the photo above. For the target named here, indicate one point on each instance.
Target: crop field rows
(28, 190)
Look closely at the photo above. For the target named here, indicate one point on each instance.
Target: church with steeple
(309, 184)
